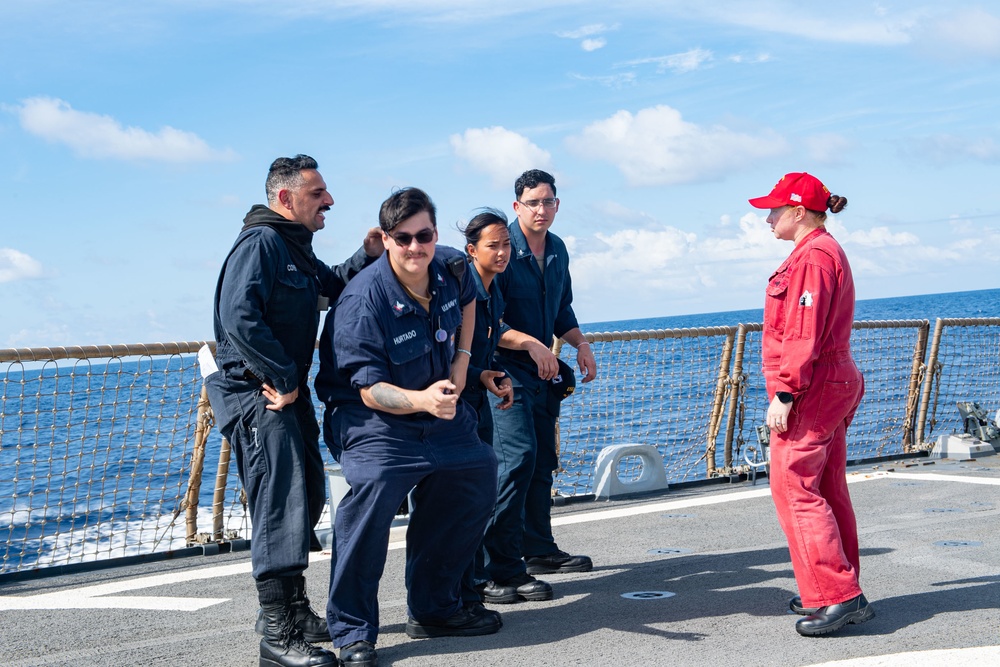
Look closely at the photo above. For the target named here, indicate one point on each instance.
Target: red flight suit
(808, 314)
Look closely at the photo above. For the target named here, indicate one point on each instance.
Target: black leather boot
(282, 644)
(835, 616)
(312, 625)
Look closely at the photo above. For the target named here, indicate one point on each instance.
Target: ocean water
(114, 513)
(979, 303)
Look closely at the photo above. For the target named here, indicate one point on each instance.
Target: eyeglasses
(404, 239)
(533, 204)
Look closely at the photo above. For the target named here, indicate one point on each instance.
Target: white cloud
(677, 62)
(655, 249)
(587, 31)
(933, 27)
(500, 153)
(98, 136)
(943, 149)
(670, 271)
(751, 60)
(15, 265)
(452, 11)
(49, 333)
(754, 240)
(611, 81)
(879, 237)
(589, 41)
(879, 253)
(962, 33)
(658, 147)
(853, 22)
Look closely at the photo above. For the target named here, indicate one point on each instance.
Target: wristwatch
(784, 396)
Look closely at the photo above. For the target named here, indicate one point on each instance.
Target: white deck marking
(951, 657)
(939, 477)
(604, 515)
(670, 505)
(102, 596)
(852, 478)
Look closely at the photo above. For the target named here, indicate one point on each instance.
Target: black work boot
(312, 625)
(282, 644)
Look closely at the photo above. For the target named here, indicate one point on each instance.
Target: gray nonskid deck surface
(717, 549)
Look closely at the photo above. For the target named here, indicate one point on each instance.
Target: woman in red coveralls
(815, 388)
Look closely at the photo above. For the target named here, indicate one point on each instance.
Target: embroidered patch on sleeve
(806, 299)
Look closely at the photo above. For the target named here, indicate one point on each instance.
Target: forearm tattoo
(389, 397)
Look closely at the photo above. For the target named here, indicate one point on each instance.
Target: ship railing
(103, 449)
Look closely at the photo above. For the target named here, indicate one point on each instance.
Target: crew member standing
(816, 389)
(539, 304)
(391, 372)
(266, 318)
(487, 243)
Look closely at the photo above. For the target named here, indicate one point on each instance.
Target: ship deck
(709, 566)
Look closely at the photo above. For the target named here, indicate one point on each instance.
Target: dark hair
(532, 179)
(286, 174)
(487, 217)
(835, 203)
(404, 204)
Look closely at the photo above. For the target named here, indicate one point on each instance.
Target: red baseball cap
(795, 189)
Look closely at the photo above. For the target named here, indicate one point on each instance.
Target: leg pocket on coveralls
(837, 400)
(252, 441)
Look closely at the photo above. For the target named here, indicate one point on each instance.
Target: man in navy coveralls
(539, 304)
(390, 375)
(266, 318)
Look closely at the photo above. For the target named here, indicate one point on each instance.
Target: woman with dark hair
(815, 389)
(488, 248)
(487, 245)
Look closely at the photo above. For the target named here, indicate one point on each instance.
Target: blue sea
(119, 503)
(979, 303)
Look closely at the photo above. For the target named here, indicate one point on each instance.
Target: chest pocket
(293, 279)
(523, 283)
(290, 297)
(524, 310)
(774, 305)
(408, 344)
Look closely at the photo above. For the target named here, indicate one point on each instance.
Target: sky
(134, 137)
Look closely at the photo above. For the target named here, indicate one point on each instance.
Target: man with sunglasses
(519, 542)
(391, 372)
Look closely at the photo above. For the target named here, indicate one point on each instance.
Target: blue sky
(135, 136)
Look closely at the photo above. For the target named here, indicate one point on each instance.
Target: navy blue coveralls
(266, 319)
(378, 333)
(485, 340)
(524, 436)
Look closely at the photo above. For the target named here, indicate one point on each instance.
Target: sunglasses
(422, 237)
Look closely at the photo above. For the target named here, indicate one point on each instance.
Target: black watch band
(784, 396)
